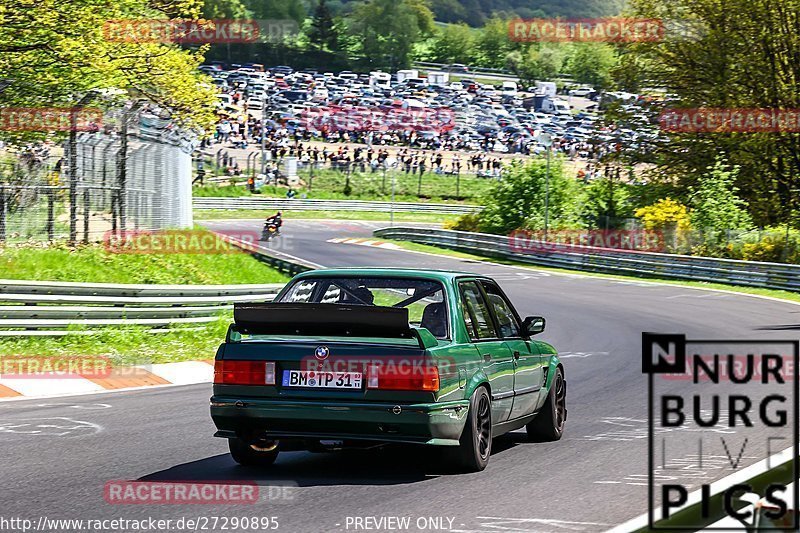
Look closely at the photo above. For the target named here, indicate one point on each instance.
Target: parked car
(582, 91)
(389, 356)
(457, 67)
(224, 100)
(255, 104)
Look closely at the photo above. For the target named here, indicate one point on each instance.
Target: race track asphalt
(59, 453)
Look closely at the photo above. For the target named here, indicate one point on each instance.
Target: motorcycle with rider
(272, 227)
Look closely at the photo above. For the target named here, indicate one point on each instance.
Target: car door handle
(487, 357)
(516, 355)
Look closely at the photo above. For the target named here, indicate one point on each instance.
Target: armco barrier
(645, 264)
(283, 204)
(39, 308)
(47, 307)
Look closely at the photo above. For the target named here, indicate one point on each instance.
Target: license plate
(322, 380)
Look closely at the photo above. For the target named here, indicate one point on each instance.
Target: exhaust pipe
(262, 443)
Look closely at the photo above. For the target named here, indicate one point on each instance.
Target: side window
(332, 295)
(476, 314)
(509, 327)
(300, 292)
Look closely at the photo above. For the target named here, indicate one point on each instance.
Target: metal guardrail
(472, 70)
(254, 202)
(64, 288)
(48, 308)
(644, 264)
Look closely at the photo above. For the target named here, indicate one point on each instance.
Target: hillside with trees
(476, 12)
(392, 34)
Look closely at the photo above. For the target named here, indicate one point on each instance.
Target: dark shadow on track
(385, 465)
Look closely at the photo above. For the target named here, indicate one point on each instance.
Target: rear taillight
(424, 378)
(244, 372)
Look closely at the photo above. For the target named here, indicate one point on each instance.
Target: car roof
(432, 274)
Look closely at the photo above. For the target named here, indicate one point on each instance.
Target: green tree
(630, 71)
(538, 62)
(388, 29)
(591, 63)
(607, 203)
(454, 43)
(448, 10)
(277, 9)
(323, 33)
(518, 200)
(53, 52)
(715, 202)
(225, 9)
(736, 54)
(493, 43)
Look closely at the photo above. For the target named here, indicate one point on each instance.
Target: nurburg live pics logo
(719, 402)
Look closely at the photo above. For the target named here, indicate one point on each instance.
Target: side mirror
(533, 325)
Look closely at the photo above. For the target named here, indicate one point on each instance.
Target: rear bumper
(429, 423)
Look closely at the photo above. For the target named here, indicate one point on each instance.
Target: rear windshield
(424, 299)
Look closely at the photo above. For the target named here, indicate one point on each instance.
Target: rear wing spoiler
(319, 319)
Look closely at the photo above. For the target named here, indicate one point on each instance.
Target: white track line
(716, 487)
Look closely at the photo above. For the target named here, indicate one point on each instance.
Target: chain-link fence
(359, 179)
(133, 172)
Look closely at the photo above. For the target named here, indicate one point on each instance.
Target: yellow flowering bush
(664, 213)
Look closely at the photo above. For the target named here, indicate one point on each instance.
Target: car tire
(472, 455)
(247, 455)
(549, 423)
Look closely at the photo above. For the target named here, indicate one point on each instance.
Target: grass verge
(92, 263)
(127, 345)
(332, 185)
(219, 214)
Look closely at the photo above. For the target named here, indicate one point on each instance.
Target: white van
(547, 88)
(438, 78)
(561, 108)
(255, 104)
(403, 75)
(320, 94)
(510, 87)
(382, 80)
